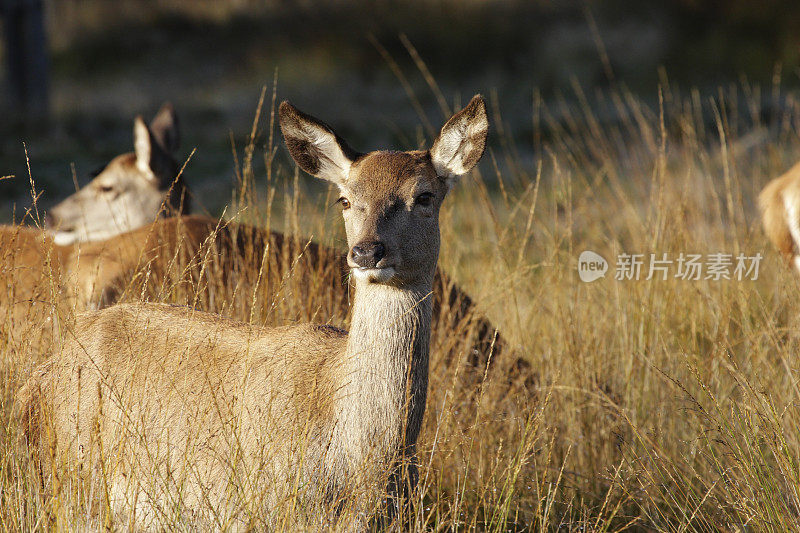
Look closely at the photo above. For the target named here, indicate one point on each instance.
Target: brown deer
(779, 202)
(167, 404)
(130, 191)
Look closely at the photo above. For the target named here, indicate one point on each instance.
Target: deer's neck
(386, 369)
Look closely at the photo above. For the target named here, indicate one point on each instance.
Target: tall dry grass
(648, 405)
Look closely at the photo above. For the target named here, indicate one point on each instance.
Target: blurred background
(384, 73)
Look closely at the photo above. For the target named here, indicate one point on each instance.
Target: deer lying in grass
(126, 194)
(165, 404)
(779, 202)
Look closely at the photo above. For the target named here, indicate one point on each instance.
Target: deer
(152, 394)
(779, 202)
(131, 191)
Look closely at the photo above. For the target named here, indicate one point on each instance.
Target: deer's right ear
(314, 146)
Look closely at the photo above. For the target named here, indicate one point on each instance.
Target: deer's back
(227, 268)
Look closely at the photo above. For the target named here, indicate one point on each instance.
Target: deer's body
(231, 392)
(206, 408)
(287, 401)
(780, 210)
(31, 268)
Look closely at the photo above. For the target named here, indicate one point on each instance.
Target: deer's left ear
(461, 142)
(164, 128)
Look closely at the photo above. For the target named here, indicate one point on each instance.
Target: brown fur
(30, 287)
(772, 202)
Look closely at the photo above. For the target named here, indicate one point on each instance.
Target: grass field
(651, 405)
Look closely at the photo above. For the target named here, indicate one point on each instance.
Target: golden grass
(651, 405)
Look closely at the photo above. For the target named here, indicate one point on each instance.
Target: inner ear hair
(142, 144)
(151, 159)
(462, 140)
(314, 146)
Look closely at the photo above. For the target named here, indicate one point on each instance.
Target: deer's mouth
(374, 275)
(54, 223)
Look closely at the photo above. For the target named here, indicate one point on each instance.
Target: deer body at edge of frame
(175, 381)
(779, 203)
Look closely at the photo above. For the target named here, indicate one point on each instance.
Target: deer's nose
(49, 221)
(367, 254)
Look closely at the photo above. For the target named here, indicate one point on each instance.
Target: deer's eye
(345, 202)
(105, 188)
(425, 199)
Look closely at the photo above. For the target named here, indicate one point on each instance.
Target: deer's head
(130, 191)
(390, 200)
